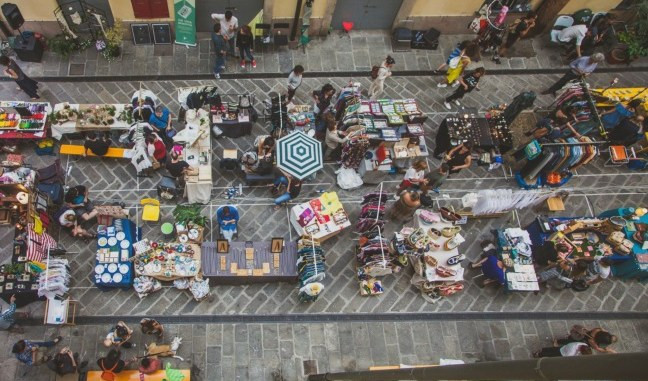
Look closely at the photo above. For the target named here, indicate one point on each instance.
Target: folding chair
(280, 32)
(261, 36)
(618, 156)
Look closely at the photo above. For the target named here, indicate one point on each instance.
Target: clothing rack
(310, 274)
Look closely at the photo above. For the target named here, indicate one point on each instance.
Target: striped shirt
(8, 314)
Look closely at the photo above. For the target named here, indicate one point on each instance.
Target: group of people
(579, 342)
(65, 361)
(227, 36)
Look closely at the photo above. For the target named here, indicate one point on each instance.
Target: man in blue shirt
(580, 67)
(160, 120)
(7, 317)
(219, 48)
(30, 353)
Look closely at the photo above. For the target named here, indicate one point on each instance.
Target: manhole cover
(76, 69)
(310, 367)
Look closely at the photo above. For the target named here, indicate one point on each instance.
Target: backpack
(108, 374)
(374, 71)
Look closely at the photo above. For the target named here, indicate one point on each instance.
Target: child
(294, 81)
(468, 83)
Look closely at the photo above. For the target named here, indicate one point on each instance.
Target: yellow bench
(120, 153)
(134, 375)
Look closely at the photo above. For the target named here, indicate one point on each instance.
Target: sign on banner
(185, 22)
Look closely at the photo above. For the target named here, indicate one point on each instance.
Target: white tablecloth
(440, 255)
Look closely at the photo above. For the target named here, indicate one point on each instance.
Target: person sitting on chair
(77, 198)
(227, 221)
(176, 167)
(161, 121)
(99, 147)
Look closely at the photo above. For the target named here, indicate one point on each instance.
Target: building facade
(445, 15)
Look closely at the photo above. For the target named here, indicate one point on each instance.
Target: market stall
(70, 118)
(24, 120)
(382, 134)
(321, 218)
(249, 262)
(552, 159)
(197, 153)
(166, 261)
(635, 231)
(485, 132)
(432, 245)
(514, 250)
(113, 267)
(234, 117)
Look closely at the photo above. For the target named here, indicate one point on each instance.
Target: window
(150, 9)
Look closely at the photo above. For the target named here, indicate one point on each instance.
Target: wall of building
(37, 10)
(123, 9)
(594, 5)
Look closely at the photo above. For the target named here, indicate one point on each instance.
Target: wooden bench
(134, 375)
(113, 152)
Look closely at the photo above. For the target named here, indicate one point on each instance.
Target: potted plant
(110, 46)
(189, 214)
(632, 43)
(64, 45)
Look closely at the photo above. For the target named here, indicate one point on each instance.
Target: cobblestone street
(254, 350)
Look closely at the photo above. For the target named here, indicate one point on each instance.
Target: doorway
(244, 11)
(366, 14)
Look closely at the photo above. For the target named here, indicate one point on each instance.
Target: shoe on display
(447, 105)
(454, 242)
(457, 103)
(456, 259)
(253, 63)
(442, 85)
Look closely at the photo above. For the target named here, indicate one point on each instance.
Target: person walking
(516, 31)
(229, 28)
(580, 67)
(466, 84)
(219, 49)
(7, 317)
(245, 43)
(456, 68)
(26, 84)
(294, 81)
(379, 76)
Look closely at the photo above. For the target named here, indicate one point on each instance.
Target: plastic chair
(261, 36)
(151, 210)
(561, 23)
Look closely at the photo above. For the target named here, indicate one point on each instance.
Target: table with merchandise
(24, 120)
(69, 118)
(113, 267)
(197, 153)
(234, 121)
(514, 250)
(166, 261)
(249, 262)
(321, 218)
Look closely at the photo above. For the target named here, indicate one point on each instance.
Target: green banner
(185, 22)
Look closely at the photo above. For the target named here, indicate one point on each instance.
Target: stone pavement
(595, 188)
(357, 51)
(257, 351)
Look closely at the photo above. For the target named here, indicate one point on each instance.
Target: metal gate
(244, 10)
(366, 14)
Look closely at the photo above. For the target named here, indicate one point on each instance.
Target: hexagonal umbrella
(299, 155)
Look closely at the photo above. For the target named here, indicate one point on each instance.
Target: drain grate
(76, 69)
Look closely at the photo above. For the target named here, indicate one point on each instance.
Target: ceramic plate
(193, 233)
(183, 238)
(123, 268)
(102, 241)
(99, 269)
(124, 244)
(112, 241)
(157, 268)
(120, 235)
(105, 278)
(112, 267)
(117, 278)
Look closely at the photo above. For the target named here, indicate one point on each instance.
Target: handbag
(449, 215)
(108, 374)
